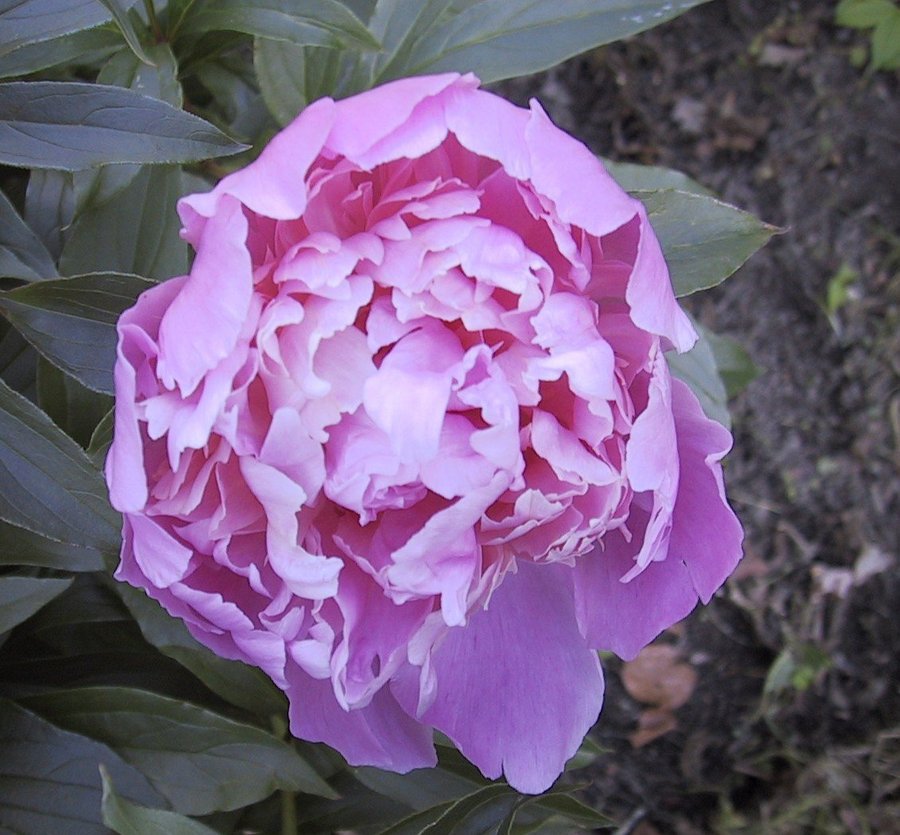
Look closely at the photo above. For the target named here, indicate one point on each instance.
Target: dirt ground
(791, 722)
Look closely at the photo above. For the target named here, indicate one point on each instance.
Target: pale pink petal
(203, 323)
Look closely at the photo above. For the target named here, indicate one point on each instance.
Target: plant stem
(153, 20)
(288, 799)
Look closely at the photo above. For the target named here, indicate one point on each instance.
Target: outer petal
(381, 734)
(202, 325)
(704, 547)
(517, 689)
(650, 295)
(273, 185)
(706, 534)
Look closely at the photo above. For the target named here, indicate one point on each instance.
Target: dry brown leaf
(658, 677)
(653, 723)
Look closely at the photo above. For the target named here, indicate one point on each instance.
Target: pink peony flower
(405, 438)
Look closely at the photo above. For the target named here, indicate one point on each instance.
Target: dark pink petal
(381, 734)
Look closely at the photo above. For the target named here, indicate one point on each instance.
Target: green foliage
(883, 17)
(117, 109)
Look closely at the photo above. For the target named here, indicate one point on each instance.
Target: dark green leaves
(50, 486)
(21, 597)
(22, 255)
(131, 819)
(49, 778)
(498, 39)
(25, 22)
(198, 760)
(235, 682)
(325, 22)
(68, 125)
(704, 240)
(72, 321)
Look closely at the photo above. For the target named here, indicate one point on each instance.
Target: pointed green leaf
(200, 761)
(70, 125)
(22, 547)
(49, 779)
(78, 48)
(21, 597)
(22, 255)
(563, 804)
(119, 10)
(135, 231)
(72, 321)
(50, 207)
(499, 39)
(733, 363)
(324, 22)
(697, 368)
(633, 177)
(863, 14)
(34, 21)
(476, 813)
(291, 76)
(50, 486)
(886, 43)
(74, 408)
(130, 819)
(704, 240)
(237, 683)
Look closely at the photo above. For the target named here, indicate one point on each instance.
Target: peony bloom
(405, 438)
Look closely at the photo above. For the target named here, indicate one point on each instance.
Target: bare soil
(794, 724)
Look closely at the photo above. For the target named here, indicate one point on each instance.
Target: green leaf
(633, 177)
(130, 819)
(72, 321)
(21, 597)
(22, 255)
(886, 43)
(78, 48)
(119, 10)
(73, 407)
(101, 439)
(69, 126)
(49, 779)
(50, 207)
(733, 363)
(704, 240)
(135, 231)
(25, 22)
(324, 22)
(291, 76)
(563, 804)
(474, 814)
(199, 761)
(697, 368)
(237, 683)
(863, 14)
(357, 808)
(18, 360)
(22, 547)
(499, 39)
(50, 486)
(587, 754)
